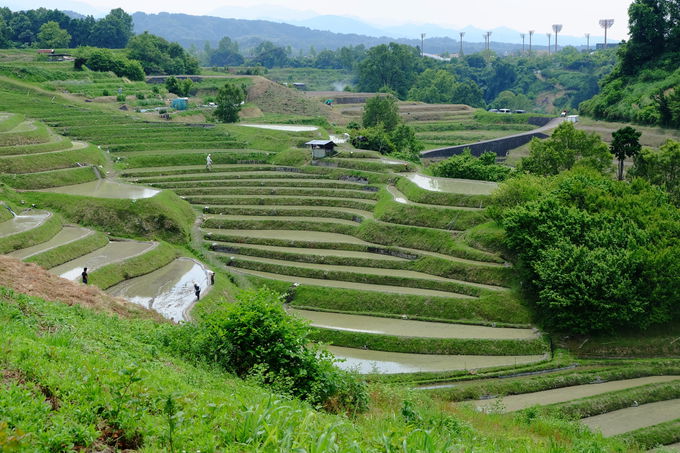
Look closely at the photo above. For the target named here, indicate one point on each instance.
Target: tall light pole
(531, 34)
(422, 44)
(587, 42)
(549, 35)
(606, 24)
(556, 28)
(462, 33)
(523, 35)
(488, 40)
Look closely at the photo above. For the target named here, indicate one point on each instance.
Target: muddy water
(632, 418)
(291, 235)
(66, 235)
(400, 327)
(331, 268)
(366, 361)
(113, 252)
(103, 188)
(280, 127)
(401, 198)
(452, 185)
(168, 290)
(281, 218)
(517, 402)
(317, 252)
(23, 222)
(352, 285)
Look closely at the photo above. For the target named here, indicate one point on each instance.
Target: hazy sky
(577, 16)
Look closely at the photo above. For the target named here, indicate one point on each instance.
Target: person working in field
(197, 291)
(84, 275)
(208, 163)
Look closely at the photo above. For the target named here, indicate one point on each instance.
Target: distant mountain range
(327, 32)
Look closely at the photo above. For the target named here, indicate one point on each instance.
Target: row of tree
(53, 28)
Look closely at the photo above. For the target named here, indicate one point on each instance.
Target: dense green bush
(660, 167)
(598, 254)
(104, 60)
(467, 166)
(256, 338)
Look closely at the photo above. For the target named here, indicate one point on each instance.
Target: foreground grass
(76, 379)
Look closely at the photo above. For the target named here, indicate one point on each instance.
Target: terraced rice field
(633, 418)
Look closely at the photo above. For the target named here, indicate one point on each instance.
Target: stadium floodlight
(556, 28)
(531, 34)
(588, 42)
(549, 35)
(523, 35)
(462, 33)
(606, 24)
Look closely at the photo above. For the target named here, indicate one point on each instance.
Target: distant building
(322, 148)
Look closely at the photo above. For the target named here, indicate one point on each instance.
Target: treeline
(45, 28)
(645, 85)
(479, 80)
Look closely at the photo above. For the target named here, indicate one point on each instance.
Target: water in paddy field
(632, 418)
(452, 185)
(168, 290)
(282, 127)
(67, 235)
(111, 253)
(365, 361)
(407, 328)
(23, 222)
(104, 188)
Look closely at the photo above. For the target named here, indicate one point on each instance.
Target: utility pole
(523, 35)
(487, 35)
(460, 54)
(556, 28)
(606, 24)
(531, 34)
(422, 44)
(549, 35)
(587, 42)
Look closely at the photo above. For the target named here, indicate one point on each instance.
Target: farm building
(322, 148)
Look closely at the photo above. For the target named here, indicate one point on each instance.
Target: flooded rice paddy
(67, 235)
(23, 222)
(315, 252)
(632, 418)
(518, 402)
(104, 188)
(407, 328)
(113, 252)
(453, 185)
(282, 127)
(366, 361)
(168, 290)
(291, 235)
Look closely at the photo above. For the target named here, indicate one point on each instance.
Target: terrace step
(312, 252)
(366, 361)
(560, 395)
(266, 182)
(113, 252)
(632, 418)
(280, 218)
(67, 235)
(25, 221)
(401, 198)
(168, 290)
(408, 328)
(351, 285)
(275, 210)
(402, 273)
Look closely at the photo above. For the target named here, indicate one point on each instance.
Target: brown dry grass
(35, 281)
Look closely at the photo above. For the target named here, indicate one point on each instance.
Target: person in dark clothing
(212, 278)
(84, 275)
(197, 291)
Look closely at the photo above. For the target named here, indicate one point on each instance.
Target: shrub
(256, 338)
(468, 166)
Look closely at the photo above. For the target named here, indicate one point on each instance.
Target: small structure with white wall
(572, 118)
(322, 148)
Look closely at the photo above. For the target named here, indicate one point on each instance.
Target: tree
(256, 338)
(229, 100)
(647, 21)
(381, 110)
(433, 86)
(159, 56)
(113, 31)
(660, 167)
(179, 87)
(52, 36)
(226, 54)
(394, 66)
(269, 55)
(564, 149)
(625, 143)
